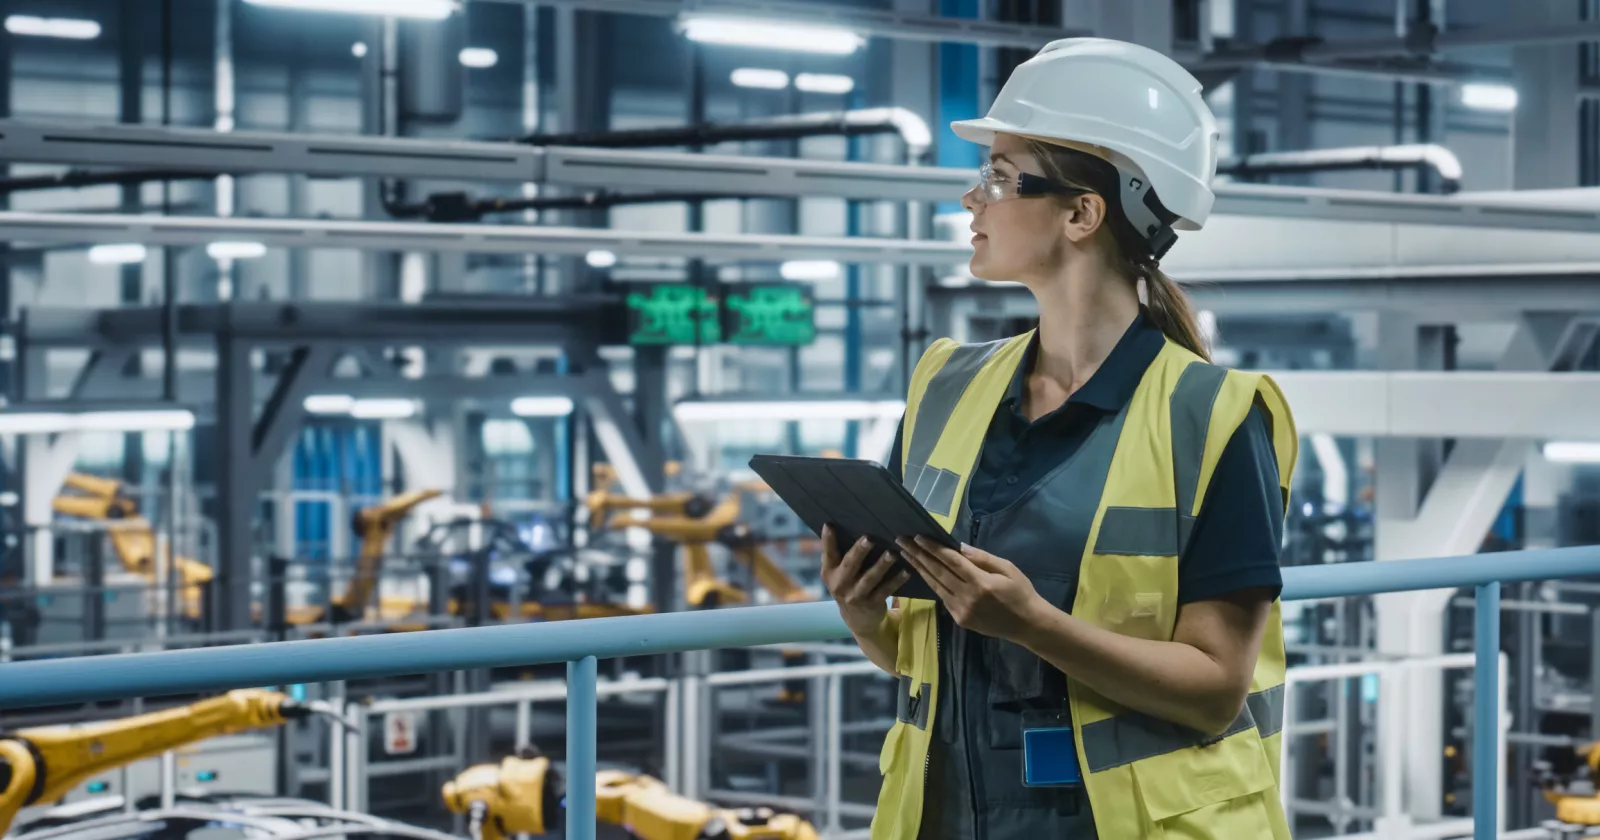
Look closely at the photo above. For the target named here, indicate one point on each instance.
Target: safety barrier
(582, 643)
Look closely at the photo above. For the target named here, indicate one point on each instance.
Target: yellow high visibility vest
(1145, 777)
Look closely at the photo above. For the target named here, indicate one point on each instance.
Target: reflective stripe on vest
(936, 488)
(911, 704)
(1133, 736)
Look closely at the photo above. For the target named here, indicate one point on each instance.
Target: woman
(1106, 656)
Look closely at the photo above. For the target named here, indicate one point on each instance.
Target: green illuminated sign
(669, 314)
(769, 314)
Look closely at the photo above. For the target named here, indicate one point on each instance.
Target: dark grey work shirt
(1234, 544)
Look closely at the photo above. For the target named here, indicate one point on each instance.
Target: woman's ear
(1085, 214)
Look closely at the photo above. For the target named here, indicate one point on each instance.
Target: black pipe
(462, 207)
(708, 134)
(75, 178)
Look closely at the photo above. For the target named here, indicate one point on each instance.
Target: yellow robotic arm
(376, 526)
(523, 796)
(41, 765)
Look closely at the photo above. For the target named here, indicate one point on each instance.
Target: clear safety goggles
(994, 187)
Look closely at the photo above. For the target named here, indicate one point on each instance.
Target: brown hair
(1169, 307)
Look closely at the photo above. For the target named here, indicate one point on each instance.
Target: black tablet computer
(859, 498)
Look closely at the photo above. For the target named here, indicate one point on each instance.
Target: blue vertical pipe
(582, 752)
(1485, 711)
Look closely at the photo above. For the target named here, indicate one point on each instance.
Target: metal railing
(582, 643)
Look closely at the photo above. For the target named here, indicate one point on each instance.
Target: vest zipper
(974, 789)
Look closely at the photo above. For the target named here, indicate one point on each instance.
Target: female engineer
(1105, 658)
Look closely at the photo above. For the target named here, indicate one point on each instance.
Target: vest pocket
(1196, 786)
(1018, 679)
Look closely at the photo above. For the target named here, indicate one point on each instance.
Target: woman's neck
(1081, 319)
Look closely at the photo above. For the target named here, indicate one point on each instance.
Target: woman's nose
(970, 202)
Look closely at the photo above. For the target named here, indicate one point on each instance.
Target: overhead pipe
(1419, 42)
(1431, 156)
(912, 129)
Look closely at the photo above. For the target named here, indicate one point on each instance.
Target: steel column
(236, 482)
(582, 758)
(1485, 714)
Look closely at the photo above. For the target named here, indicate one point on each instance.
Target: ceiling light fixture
(760, 78)
(770, 35)
(1572, 452)
(41, 27)
(541, 406)
(236, 250)
(824, 83)
(126, 253)
(43, 418)
(479, 58)
(810, 270)
(425, 9)
(1483, 96)
(600, 259)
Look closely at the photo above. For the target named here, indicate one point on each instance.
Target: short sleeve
(1238, 536)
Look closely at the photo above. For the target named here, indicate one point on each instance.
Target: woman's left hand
(984, 593)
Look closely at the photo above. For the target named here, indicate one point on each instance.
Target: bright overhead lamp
(359, 49)
(383, 409)
(796, 271)
(787, 408)
(426, 9)
(771, 35)
(479, 58)
(824, 83)
(329, 403)
(600, 259)
(759, 78)
(236, 250)
(541, 406)
(1484, 96)
(41, 27)
(126, 253)
(46, 418)
(1572, 452)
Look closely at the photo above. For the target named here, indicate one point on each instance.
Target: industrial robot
(132, 538)
(524, 794)
(694, 522)
(39, 766)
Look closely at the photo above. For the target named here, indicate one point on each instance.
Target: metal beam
(350, 156)
(284, 412)
(1453, 404)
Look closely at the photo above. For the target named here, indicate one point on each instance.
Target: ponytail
(1172, 311)
(1168, 305)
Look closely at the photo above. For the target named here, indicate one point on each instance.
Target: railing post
(1485, 714)
(582, 758)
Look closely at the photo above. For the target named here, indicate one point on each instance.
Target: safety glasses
(993, 186)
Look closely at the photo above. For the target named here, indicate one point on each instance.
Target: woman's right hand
(862, 596)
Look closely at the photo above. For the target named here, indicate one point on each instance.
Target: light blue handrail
(49, 682)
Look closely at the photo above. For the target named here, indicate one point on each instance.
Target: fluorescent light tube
(17, 422)
(117, 254)
(1483, 96)
(541, 406)
(771, 35)
(236, 250)
(600, 259)
(779, 408)
(426, 9)
(760, 78)
(383, 409)
(40, 27)
(329, 403)
(1572, 452)
(799, 270)
(479, 58)
(824, 83)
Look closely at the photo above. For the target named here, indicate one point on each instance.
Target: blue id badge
(1049, 758)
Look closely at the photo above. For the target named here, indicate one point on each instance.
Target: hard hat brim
(982, 130)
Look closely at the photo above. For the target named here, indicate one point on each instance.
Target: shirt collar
(1112, 386)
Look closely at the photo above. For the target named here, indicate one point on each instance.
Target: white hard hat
(1141, 108)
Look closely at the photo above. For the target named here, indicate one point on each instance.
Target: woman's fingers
(874, 575)
(929, 572)
(890, 586)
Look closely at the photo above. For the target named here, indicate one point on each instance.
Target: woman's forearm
(881, 641)
(1173, 681)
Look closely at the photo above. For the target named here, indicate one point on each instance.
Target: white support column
(426, 452)
(1545, 125)
(1463, 501)
(48, 464)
